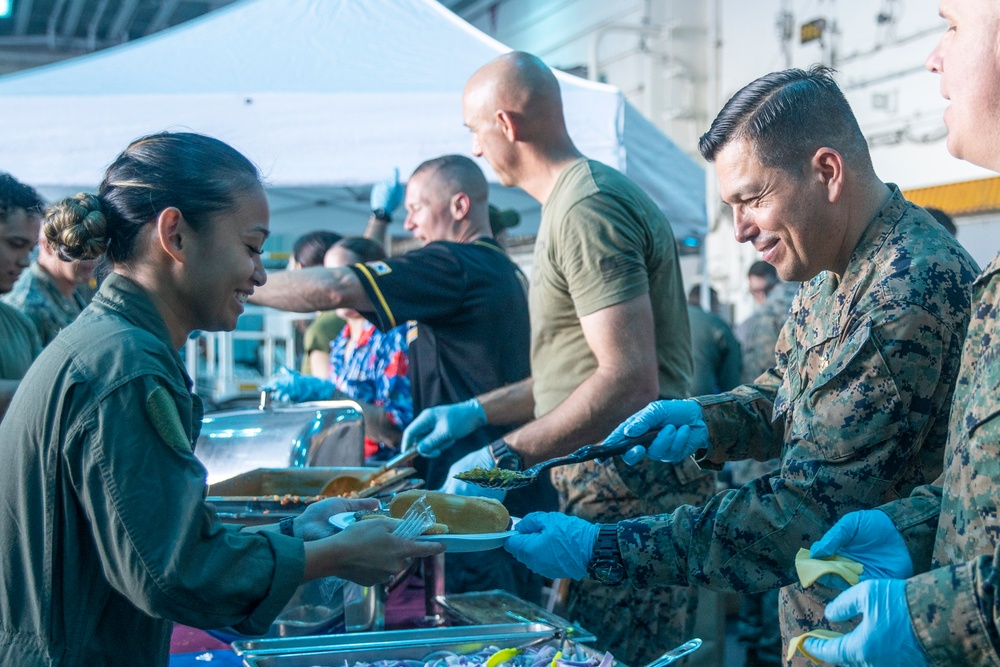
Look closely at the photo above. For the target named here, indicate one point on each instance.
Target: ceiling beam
(53, 21)
(23, 19)
(118, 32)
(95, 24)
(162, 18)
(72, 19)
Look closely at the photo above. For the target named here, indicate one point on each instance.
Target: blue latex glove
(870, 538)
(884, 636)
(480, 458)
(554, 545)
(288, 385)
(387, 194)
(682, 431)
(436, 429)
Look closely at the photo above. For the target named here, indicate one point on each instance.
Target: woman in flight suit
(105, 537)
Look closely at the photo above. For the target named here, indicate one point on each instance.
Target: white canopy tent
(326, 96)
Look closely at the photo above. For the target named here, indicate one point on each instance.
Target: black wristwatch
(606, 566)
(287, 526)
(382, 214)
(504, 457)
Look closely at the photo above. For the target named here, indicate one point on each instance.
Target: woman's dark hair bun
(77, 228)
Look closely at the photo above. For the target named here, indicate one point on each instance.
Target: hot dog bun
(464, 515)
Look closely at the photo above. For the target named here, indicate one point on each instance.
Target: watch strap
(287, 526)
(504, 457)
(607, 557)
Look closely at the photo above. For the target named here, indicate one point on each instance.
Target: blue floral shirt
(376, 372)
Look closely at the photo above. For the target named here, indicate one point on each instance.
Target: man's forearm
(587, 416)
(512, 404)
(376, 230)
(311, 289)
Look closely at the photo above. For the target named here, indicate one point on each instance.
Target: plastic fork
(418, 518)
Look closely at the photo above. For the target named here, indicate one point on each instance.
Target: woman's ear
(171, 232)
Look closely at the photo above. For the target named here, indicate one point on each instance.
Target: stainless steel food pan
(499, 606)
(412, 651)
(393, 639)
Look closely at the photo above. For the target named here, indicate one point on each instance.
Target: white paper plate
(453, 543)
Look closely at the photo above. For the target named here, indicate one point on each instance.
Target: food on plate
(463, 515)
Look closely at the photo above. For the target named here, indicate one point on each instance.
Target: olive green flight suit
(105, 536)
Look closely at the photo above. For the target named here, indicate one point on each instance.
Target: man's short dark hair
(15, 194)
(459, 174)
(943, 219)
(762, 269)
(787, 116)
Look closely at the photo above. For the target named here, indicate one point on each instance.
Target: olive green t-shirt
(601, 242)
(320, 333)
(20, 343)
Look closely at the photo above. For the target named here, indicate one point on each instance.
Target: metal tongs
(344, 485)
(511, 479)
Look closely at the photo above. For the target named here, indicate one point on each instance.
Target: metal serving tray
(266, 495)
(407, 645)
(499, 606)
(388, 639)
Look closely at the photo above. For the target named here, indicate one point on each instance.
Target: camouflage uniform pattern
(656, 619)
(758, 334)
(856, 407)
(955, 608)
(49, 310)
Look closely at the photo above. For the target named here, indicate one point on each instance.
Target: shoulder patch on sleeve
(380, 268)
(615, 267)
(162, 413)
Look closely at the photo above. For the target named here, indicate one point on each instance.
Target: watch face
(508, 461)
(608, 572)
(504, 458)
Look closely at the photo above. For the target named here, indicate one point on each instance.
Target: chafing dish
(338, 650)
(322, 433)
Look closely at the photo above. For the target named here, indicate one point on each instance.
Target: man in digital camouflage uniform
(52, 292)
(20, 219)
(949, 615)
(857, 403)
